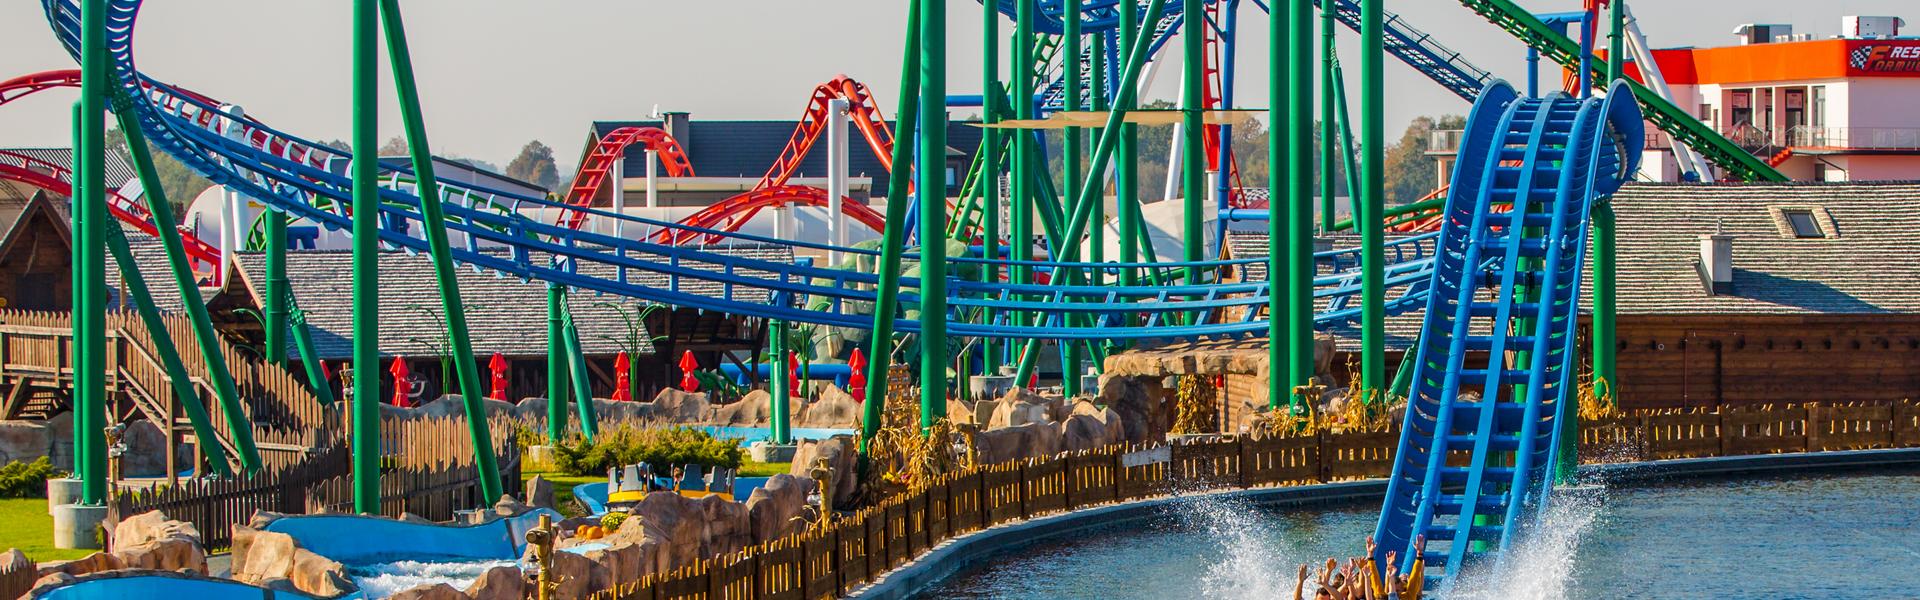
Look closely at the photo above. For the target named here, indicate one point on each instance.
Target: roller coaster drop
(1547, 160)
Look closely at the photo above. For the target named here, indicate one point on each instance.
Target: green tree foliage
(1410, 173)
(26, 479)
(394, 147)
(663, 449)
(180, 183)
(535, 164)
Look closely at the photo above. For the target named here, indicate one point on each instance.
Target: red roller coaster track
(599, 162)
(57, 179)
(772, 191)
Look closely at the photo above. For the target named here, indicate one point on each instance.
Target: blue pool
(748, 435)
(1790, 536)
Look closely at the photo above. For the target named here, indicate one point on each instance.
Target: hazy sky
(498, 73)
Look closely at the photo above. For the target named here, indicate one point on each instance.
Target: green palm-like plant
(635, 338)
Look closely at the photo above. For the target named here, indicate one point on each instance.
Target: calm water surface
(1775, 537)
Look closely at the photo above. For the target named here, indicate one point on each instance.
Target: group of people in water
(1359, 578)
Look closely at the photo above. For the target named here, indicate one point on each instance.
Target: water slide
(293, 174)
(1472, 471)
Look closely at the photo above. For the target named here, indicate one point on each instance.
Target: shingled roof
(747, 148)
(504, 314)
(1865, 264)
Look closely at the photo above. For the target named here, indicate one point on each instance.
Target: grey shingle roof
(118, 171)
(747, 148)
(1868, 267)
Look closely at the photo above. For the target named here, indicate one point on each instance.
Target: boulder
(532, 409)
(151, 526)
(24, 441)
(1142, 414)
(727, 529)
(1019, 412)
(540, 492)
(624, 561)
(15, 561)
(500, 583)
(580, 576)
(60, 429)
(607, 412)
(1087, 432)
(772, 508)
(91, 563)
(454, 405)
(961, 411)
(1031, 440)
(146, 454)
(261, 556)
(438, 591)
(752, 410)
(674, 405)
(48, 582)
(319, 576)
(841, 458)
(833, 408)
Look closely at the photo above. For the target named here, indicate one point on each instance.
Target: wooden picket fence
(854, 550)
(17, 579)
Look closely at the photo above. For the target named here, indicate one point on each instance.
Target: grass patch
(25, 524)
(563, 488)
(760, 469)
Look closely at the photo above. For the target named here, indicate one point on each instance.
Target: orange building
(1843, 109)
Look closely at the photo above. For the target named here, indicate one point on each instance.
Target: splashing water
(1256, 561)
(380, 580)
(1539, 566)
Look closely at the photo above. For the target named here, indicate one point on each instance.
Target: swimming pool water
(1789, 536)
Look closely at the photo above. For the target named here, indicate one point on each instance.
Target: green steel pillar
(1072, 153)
(1097, 100)
(1193, 171)
(1279, 166)
(89, 293)
(1021, 221)
(990, 165)
(366, 257)
(183, 279)
(1299, 221)
(886, 306)
(1373, 295)
(278, 288)
(1126, 168)
(556, 364)
(1328, 11)
(577, 367)
(779, 397)
(180, 381)
(931, 183)
(434, 221)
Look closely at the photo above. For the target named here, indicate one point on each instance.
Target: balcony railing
(1855, 138)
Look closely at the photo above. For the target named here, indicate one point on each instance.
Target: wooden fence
(17, 578)
(855, 550)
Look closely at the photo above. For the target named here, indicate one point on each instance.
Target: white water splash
(1256, 564)
(1540, 566)
(380, 580)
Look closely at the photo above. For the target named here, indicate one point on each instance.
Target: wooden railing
(855, 550)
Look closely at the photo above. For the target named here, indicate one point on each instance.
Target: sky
(495, 74)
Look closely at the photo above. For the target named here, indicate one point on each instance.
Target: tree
(535, 164)
(180, 183)
(1409, 172)
(394, 147)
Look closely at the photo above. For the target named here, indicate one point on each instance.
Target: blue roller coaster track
(1472, 472)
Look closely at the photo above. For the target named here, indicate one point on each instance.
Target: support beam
(836, 176)
(779, 396)
(886, 306)
(1373, 294)
(1280, 309)
(990, 168)
(1193, 173)
(931, 183)
(577, 367)
(1299, 221)
(89, 265)
(556, 364)
(1073, 152)
(653, 178)
(434, 223)
(366, 257)
(1126, 168)
(1328, 189)
(205, 338)
(279, 289)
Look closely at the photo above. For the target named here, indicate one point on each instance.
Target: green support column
(224, 391)
(1024, 157)
(278, 288)
(1126, 168)
(1280, 309)
(1193, 167)
(990, 166)
(931, 183)
(89, 293)
(1328, 11)
(577, 367)
(1299, 221)
(309, 358)
(1072, 152)
(1373, 294)
(434, 222)
(779, 397)
(886, 307)
(556, 364)
(1097, 100)
(366, 257)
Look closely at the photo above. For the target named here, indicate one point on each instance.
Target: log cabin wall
(1712, 360)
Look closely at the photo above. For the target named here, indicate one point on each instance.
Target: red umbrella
(793, 371)
(621, 366)
(499, 367)
(402, 387)
(688, 365)
(857, 380)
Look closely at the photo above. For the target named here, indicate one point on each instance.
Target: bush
(612, 521)
(26, 479)
(662, 449)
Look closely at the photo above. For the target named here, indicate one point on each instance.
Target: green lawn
(25, 524)
(760, 469)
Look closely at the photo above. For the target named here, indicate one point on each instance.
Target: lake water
(1853, 535)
